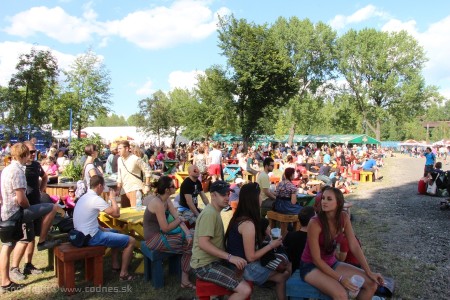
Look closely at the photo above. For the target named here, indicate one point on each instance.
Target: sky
(160, 45)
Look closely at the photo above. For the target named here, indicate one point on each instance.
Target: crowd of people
(244, 253)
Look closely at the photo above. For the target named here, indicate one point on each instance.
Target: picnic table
(230, 172)
(305, 199)
(168, 165)
(130, 222)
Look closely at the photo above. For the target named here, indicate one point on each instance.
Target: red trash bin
(355, 175)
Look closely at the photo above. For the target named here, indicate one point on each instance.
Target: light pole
(70, 126)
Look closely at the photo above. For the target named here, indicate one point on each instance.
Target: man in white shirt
(215, 160)
(129, 170)
(85, 220)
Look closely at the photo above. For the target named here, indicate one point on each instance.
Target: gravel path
(406, 234)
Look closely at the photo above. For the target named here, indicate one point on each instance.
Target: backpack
(65, 225)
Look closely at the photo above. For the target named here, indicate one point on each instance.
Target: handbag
(11, 229)
(170, 219)
(78, 239)
(386, 290)
(431, 189)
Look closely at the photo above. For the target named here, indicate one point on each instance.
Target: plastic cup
(275, 232)
(358, 281)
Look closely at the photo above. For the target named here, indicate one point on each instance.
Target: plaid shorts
(219, 274)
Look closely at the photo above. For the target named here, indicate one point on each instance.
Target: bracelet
(340, 279)
(229, 256)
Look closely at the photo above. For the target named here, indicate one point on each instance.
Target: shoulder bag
(11, 229)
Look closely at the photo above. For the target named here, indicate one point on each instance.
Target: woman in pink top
(319, 266)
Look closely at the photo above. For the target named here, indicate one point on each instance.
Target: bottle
(138, 200)
(358, 281)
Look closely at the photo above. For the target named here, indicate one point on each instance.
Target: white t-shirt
(215, 157)
(85, 215)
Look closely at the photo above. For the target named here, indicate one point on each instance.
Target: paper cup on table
(275, 233)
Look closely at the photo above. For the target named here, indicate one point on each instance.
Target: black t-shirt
(190, 187)
(32, 172)
(295, 242)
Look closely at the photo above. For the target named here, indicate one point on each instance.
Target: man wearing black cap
(208, 251)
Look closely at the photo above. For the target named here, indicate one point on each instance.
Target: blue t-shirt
(369, 164)
(327, 158)
(430, 158)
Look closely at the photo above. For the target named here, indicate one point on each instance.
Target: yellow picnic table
(130, 223)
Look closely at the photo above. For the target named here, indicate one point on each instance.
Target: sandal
(188, 286)
(127, 277)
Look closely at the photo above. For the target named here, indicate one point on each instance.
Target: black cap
(220, 187)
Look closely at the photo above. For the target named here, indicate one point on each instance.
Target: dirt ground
(404, 235)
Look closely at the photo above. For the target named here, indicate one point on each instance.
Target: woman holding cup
(244, 239)
(319, 266)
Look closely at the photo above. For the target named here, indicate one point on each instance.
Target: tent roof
(337, 139)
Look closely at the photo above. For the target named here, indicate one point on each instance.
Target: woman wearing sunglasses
(164, 230)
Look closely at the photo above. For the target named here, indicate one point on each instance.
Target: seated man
(13, 200)
(371, 166)
(85, 219)
(324, 174)
(190, 189)
(208, 252)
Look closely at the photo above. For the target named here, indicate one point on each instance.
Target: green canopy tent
(340, 139)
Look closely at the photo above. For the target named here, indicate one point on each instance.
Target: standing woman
(89, 168)
(244, 239)
(165, 233)
(319, 266)
(286, 201)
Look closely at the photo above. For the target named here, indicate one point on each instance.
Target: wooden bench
(66, 255)
(205, 289)
(297, 289)
(284, 221)
(365, 176)
(153, 265)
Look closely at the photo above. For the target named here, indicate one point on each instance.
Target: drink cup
(358, 281)
(275, 232)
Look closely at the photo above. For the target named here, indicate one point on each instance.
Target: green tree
(311, 49)
(383, 74)
(180, 103)
(29, 88)
(88, 84)
(109, 120)
(215, 110)
(154, 114)
(262, 75)
(134, 120)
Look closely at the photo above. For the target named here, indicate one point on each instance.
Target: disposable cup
(275, 232)
(358, 281)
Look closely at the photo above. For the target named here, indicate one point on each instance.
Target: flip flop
(127, 277)
(188, 286)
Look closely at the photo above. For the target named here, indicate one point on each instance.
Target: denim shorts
(255, 272)
(109, 238)
(305, 268)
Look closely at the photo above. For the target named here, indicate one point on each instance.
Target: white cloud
(146, 89)
(55, 23)
(160, 27)
(436, 42)
(9, 56)
(363, 14)
(184, 80)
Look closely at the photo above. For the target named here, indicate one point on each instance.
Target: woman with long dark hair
(164, 230)
(286, 201)
(244, 239)
(319, 266)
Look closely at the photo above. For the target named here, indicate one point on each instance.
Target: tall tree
(33, 83)
(261, 73)
(154, 114)
(88, 83)
(109, 120)
(182, 101)
(311, 49)
(215, 111)
(383, 74)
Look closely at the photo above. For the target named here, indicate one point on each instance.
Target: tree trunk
(291, 135)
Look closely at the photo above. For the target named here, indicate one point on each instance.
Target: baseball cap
(220, 187)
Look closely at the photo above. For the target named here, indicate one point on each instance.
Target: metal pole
(70, 126)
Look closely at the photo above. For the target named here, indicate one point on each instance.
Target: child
(69, 201)
(295, 241)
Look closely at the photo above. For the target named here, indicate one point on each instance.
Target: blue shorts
(109, 238)
(255, 272)
(305, 268)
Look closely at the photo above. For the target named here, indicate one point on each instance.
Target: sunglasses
(32, 151)
(71, 191)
